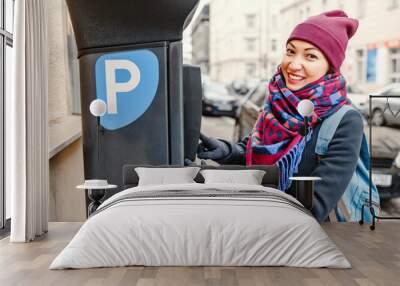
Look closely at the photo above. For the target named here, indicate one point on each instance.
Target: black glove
(190, 163)
(211, 148)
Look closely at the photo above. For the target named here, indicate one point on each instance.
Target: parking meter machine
(130, 57)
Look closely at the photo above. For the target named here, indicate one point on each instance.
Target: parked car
(217, 100)
(381, 113)
(249, 109)
(385, 162)
(238, 87)
(357, 96)
(386, 169)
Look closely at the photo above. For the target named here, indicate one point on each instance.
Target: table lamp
(304, 186)
(306, 109)
(98, 108)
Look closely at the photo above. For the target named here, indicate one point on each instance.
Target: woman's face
(302, 64)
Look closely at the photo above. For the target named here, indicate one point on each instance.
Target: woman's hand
(211, 148)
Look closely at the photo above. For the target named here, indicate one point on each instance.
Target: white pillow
(248, 177)
(163, 176)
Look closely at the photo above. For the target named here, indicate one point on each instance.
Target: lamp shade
(98, 107)
(305, 107)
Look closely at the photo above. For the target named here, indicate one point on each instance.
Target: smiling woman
(309, 70)
(302, 64)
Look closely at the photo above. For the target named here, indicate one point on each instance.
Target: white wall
(66, 167)
(58, 96)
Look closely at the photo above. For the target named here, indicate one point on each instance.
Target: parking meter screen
(127, 81)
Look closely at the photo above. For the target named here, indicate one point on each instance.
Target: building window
(371, 65)
(274, 68)
(324, 2)
(250, 20)
(73, 69)
(307, 11)
(251, 69)
(273, 45)
(341, 5)
(8, 15)
(394, 58)
(251, 44)
(393, 4)
(361, 8)
(274, 21)
(6, 62)
(360, 65)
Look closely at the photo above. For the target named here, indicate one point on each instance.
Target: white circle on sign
(98, 107)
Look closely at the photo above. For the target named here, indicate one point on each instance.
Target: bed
(201, 224)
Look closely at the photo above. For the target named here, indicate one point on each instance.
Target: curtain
(26, 121)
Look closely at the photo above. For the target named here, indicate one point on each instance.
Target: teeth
(295, 77)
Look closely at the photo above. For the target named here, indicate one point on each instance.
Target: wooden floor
(375, 257)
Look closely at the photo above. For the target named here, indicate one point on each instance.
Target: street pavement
(223, 127)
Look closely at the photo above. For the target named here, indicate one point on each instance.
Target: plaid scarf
(276, 137)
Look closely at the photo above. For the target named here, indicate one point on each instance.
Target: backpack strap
(328, 129)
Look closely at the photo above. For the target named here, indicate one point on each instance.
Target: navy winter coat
(335, 169)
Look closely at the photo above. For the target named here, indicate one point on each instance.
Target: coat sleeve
(337, 167)
(237, 154)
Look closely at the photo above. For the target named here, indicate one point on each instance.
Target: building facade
(373, 54)
(375, 50)
(200, 34)
(237, 39)
(274, 45)
(247, 39)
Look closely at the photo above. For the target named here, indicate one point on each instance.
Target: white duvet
(183, 231)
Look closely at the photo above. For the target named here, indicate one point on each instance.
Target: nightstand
(96, 192)
(304, 190)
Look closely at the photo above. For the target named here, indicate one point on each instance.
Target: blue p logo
(127, 82)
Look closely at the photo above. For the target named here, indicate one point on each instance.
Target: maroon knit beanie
(330, 32)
